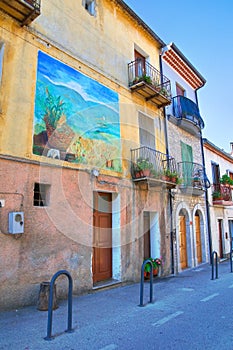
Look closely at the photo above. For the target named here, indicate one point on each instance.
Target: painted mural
(76, 118)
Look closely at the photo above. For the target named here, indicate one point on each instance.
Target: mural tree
(53, 112)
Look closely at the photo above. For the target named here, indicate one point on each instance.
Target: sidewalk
(103, 320)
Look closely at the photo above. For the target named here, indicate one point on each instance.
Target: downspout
(207, 185)
(169, 191)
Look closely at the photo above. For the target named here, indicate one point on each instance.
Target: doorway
(183, 243)
(220, 239)
(198, 238)
(102, 242)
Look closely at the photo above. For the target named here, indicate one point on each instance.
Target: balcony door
(187, 159)
(140, 64)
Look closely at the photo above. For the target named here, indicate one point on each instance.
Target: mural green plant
(53, 110)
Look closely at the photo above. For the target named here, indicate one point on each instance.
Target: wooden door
(198, 238)
(183, 245)
(102, 250)
(220, 239)
(140, 65)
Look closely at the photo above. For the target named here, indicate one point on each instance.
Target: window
(89, 6)
(179, 90)
(215, 173)
(146, 131)
(41, 194)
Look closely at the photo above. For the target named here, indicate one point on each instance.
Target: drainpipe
(207, 185)
(169, 191)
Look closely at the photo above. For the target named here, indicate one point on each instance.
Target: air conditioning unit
(16, 222)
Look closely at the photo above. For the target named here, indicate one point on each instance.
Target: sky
(203, 32)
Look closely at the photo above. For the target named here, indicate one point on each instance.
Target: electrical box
(16, 222)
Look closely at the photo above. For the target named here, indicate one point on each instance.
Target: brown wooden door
(198, 239)
(183, 245)
(140, 65)
(220, 238)
(102, 250)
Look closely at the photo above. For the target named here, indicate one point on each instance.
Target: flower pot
(146, 172)
(155, 272)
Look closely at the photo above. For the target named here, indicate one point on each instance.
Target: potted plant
(216, 195)
(147, 79)
(144, 166)
(166, 175)
(157, 263)
(226, 180)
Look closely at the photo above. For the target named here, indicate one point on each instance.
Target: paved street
(189, 311)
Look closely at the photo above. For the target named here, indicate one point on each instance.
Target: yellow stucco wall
(99, 46)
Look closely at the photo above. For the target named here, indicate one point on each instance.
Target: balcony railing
(151, 165)
(148, 82)
(186, 109)
(24, 11)
(222, 194)
(192, 177)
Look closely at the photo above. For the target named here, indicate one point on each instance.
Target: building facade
(184, 129)
(219, 168)
(81, 120)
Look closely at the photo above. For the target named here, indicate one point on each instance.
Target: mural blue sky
(203, 31)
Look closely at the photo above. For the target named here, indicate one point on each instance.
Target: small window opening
(41, 194)
(89, 6)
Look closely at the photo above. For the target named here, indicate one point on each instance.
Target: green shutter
(187, 159)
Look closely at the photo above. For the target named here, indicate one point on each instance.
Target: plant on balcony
(144, 166)
(164, 92)
(226, 180)
(147, 79)
(171, 176)
(216, 195)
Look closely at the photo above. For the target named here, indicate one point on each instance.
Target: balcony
(24, 11)
(153, 167)
(222, 195)
(148, 82)
(192, 178)
(187, 114)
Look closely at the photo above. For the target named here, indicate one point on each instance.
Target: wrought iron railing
(221, 192)
(184, 108)
(192, 174)
(147, 162)
(140, 70)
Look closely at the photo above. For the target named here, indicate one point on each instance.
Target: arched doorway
(182, 242)
(198, 237)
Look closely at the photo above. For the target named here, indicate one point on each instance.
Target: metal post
(214, 257)
(50, 306)
(148, 261)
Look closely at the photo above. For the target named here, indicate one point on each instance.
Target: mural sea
(76, 118)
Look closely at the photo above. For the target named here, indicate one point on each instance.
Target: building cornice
(174, 57)
(220, 152)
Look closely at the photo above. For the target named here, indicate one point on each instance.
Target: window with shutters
(146, 131)
(187, 163)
